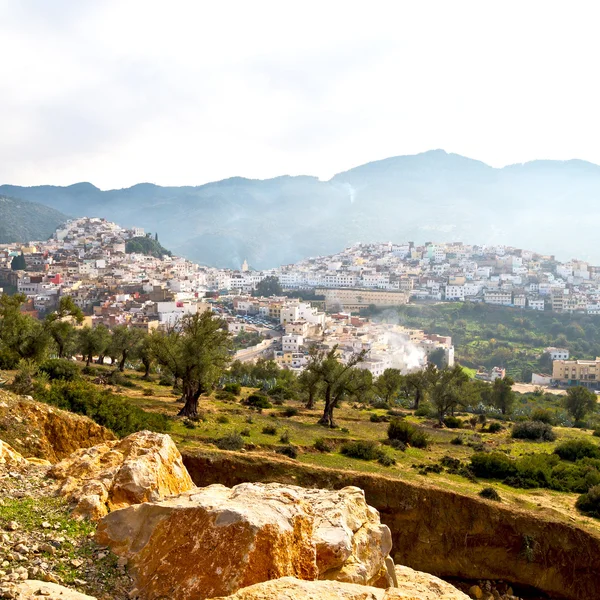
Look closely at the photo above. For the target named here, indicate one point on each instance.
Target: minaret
(244, 266)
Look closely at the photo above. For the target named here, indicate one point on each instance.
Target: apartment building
(354, 299)
(577, 372)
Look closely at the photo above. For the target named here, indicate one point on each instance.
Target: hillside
(430, 196)
(22, 221)
(146, 245)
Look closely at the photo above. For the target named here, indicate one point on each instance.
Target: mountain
(23, 221)
(548, 206)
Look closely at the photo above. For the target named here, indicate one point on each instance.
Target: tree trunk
(311, 400)
(327, 418)
(190, 408)
(147, 365)
(89, 360)
(417, 398)
(122, 363)
(100, 360)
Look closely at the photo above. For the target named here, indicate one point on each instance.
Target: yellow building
(354, 300)
(577, 372)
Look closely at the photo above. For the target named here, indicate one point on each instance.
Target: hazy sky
(173, 92)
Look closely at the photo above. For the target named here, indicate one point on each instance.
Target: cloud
(118, 92)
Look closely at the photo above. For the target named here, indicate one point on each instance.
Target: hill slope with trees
(23, 221)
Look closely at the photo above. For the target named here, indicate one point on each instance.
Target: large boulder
(9, 457)
(143, 467)
(419, 587)
(38, 430)
(415, 584)
(26, 590)
(215, 540)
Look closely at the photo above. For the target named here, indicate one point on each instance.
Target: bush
(393, 412)
(425, 410)
(165, 381)
(223, 419)
(490, 494)
(60, 368)
(589, 503)
(117, 378)
(245, 432)
(457, 441)
(542, 415)
(189, 424)
(596, 433)
(573, 450)
(232, 388)
(226, 396)
(452, 422)
(284, 438)
(397, 445)
(379, 419)
(362, 449)
(23, 381)
(103, 407)
(290, 412)
(381, 404)
(232, 441)
(289, 451)
(407, 433)
(322, 445)
(280, 392)
(258, 401)
(269, 430)
(147, 392)
(493, 465)
(495, 427)
(533, 430)
(91, 371)
(386, 460)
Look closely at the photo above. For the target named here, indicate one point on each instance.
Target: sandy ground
(523, 388)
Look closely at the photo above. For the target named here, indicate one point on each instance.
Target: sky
(186, 92)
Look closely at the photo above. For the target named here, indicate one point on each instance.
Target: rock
(142, 467)
(12, 526)
(9, 457)
(31, 589)
(38, 430)
(476, 592)
(216, 540)
(42, 462)
(415, 584)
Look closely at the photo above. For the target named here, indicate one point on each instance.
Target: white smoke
(404, 354)
(351, 192)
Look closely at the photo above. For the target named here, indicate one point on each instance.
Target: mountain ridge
(434, 195)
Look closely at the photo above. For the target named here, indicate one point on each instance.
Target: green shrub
(245, 432)
(223, 419)
(258, 401)
(61, 368)
(103, 407)
(493, 465)
(284, 438)
(397, 445)
(232, 441)
(91, 371)
(322, 445)
(495, 427)
(543, 415)
(407, 433)
(589, 503)
(362, 449)
(269, 430)
(165, 381)
(289, 451)
(490, 494)
(23, 381)
(232, 388)
(290, 412)
(379, 419)
(386, 460)
(573, 450)
(147, 392)
(457, 441)
(596, 433)
(280, 392)
(425, 410)
(452, 422)
(381, 404)
(226, 396)
(533, 430)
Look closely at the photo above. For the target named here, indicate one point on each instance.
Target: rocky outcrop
(288, 588)
(26, 590)
(142, 467)
(9, 457)
(39, 430)
(415, 584)
(440, 531)
(215, 540)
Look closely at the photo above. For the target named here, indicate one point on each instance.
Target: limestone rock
(415, 584)
(215, 540)
(42, 589)
(9, 457)
(289, 588)
(35, 429)
(143, 467)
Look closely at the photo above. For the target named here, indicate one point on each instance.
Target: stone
(416, 584)
(475, 592)
(143, 467)
(215, 540)
(9, 457)
(32, 588)
(34, 460)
